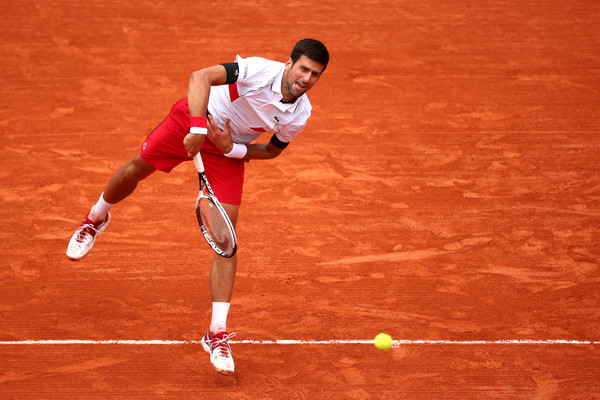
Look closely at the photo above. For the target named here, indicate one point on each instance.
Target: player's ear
(288, 63)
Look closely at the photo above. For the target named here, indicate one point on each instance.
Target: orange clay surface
(446, 188)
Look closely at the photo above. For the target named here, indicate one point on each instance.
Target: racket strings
(216, 226)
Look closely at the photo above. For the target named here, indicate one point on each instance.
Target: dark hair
(312, 49)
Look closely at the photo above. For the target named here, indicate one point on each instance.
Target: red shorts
(164, 150)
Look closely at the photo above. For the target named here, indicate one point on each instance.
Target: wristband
(198, 125)
(238, 151)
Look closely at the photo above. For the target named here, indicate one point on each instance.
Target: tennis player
(227, 107)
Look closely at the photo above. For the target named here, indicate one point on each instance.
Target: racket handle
(198, 163)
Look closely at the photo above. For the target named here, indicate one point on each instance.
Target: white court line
(395, 343)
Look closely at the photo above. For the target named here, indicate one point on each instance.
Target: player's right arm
(199, 88)
(198, 93)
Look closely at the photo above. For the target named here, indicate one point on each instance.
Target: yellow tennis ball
(383, 341)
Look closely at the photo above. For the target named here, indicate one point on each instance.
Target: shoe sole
(77, 258)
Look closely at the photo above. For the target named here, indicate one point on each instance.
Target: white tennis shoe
(84, 237)
(220, 351)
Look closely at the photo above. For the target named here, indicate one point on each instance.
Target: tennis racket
(212, 218)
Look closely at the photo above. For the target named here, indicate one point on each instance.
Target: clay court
(446, 191)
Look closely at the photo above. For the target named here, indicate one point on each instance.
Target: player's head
(312, 49)
(303, 68)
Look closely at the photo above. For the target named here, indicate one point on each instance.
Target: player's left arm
(265, 151)
(254, 151)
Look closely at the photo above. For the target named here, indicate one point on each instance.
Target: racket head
(216, 225)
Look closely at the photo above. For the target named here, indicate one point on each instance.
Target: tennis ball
(383, 341)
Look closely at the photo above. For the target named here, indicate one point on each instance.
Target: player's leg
(222, 273)
(222, 277)
(121, 184)
(125, 180)
(163, 150)
(226, 177)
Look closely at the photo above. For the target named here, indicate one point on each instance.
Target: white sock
(218, 321)
(99, 210)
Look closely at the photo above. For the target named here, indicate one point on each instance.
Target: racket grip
(198, 163)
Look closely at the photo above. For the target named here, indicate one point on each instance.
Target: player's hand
(193, 143)
(220, 138)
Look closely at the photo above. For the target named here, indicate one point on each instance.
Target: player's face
(299, 77)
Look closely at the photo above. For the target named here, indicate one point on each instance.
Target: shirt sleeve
(233, 71)
(256, 71)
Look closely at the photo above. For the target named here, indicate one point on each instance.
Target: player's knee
(137, 169)
(129, 173)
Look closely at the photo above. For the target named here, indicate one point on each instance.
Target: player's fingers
(192, 144)
(211, 125)
(213, 128)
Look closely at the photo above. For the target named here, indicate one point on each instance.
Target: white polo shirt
(252, 104)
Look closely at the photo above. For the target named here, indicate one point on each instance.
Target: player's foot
(84, 237)
(219, 350)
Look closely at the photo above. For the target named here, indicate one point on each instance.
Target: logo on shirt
(276, 118)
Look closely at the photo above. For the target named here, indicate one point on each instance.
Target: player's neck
(293, 100)
(287, 96)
